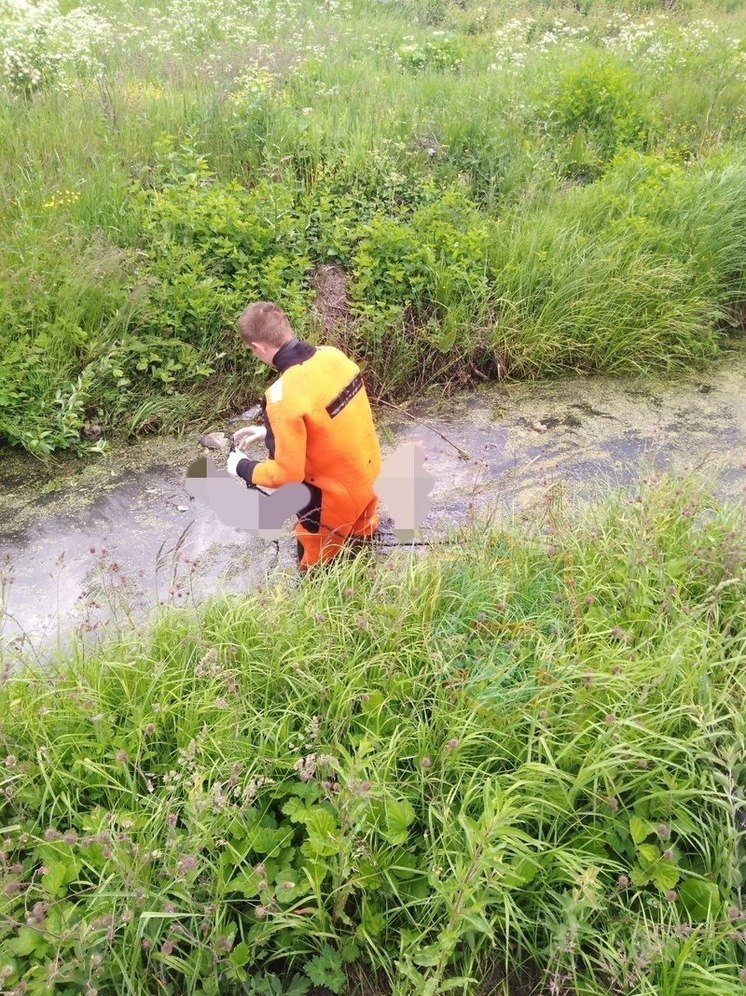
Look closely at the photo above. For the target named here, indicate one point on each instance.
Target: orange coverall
(320, 432)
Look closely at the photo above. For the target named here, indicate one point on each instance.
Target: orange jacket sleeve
(287, 428)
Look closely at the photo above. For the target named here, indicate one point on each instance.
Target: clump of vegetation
(598, 109)
(525, 752)
(145, 203)
(438, 53)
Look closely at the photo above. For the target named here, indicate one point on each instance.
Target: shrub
(437, 53)
(600, 107)
(54, 372)
(40, 44)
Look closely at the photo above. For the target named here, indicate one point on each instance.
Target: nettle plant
(214, 245)
(599, 108)
(433, 264)
(440, 52)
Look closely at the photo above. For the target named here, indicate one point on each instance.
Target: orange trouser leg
(316, 548)
(367, 522)
(324, 545)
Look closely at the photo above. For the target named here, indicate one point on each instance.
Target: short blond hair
(266, 323)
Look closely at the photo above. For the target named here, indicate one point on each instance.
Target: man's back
(342, 448)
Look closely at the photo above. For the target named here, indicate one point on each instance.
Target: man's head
(264, 328)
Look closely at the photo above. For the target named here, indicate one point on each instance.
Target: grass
(588, 168)
(520, 756)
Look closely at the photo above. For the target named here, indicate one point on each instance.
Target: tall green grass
(638, 271)
(598, 162)
(520, 755)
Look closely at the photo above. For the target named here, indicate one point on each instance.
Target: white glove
(234, 457)
(251, 434)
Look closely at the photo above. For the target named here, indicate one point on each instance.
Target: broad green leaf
(405, 865)
(314, 868)
(373, 921)
(308, 791)
(700, 899)
(240, 954)
(427, 956)
(369, 873)
(247, 882)
(445, 341)
(590, 842)
(324, 837)
(349, 950)
(325, 969)
(639, 829)
(297, 810)
(372, 703)
(649, 854)
(665, 875)
(290, 885)
(683, 823)
(399, 815)
(298, 987)
(265, 840)
(678, 566)
(520, 873)
(638, 877)
(54, 880)
(26, 942)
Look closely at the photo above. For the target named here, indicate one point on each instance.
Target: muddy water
(89, 545)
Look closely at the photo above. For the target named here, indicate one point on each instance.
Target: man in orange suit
(318, 428)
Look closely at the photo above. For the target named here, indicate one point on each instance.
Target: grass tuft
(526, 752)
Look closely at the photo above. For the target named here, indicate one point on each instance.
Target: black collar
(292, 352)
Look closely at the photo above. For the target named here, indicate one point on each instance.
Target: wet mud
(86, 546)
